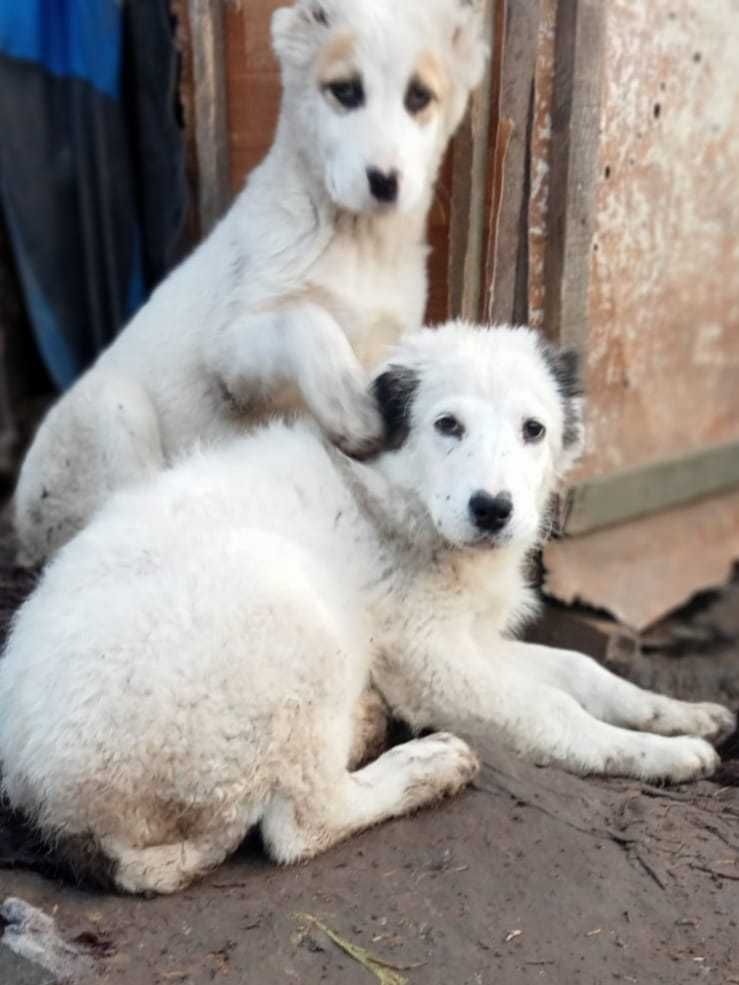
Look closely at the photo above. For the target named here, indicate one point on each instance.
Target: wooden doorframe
(205, 53)
(576, 108)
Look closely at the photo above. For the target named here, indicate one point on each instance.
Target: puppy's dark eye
(533, 430)
(349, 93)
(417, 97)
(450, 426)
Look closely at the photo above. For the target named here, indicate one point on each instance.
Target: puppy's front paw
(438, 765)
(678, 759)
(351, 417)
(712, 722)
(692, 759)
(707, 721)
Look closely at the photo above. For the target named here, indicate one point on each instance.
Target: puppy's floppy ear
(394, 391)
(469, 41)
(564, 365)
(296, 30)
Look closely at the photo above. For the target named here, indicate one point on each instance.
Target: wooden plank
(210, 112)
(437, 308)
(506, 263)
(468, 199)
(539, 151)
(631, 493)
(253, 81)
(186, 94)
(579, 52)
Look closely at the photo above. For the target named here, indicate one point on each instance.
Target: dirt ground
(534, 876)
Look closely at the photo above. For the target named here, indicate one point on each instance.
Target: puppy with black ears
(191, 664)
(319, 265)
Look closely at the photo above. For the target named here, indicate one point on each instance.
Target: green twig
(385, 972)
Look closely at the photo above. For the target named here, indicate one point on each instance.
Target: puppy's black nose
(384, 187)
(491, 512)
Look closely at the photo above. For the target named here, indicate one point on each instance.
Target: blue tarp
(92, 185)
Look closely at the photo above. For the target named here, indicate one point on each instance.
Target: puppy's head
(373, 90)
(481, 424)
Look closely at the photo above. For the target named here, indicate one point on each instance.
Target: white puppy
(190, 664)
(320, 263)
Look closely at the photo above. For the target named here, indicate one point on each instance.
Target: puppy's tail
(77, 858)
(106, 864)
(82, 859)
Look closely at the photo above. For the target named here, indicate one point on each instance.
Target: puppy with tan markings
(320, 264)
(191, 664)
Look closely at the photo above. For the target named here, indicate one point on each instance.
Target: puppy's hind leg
(99, 437)
(164, 869)
(331, 804)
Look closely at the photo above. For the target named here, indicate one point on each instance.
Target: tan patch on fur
(371, 719)
(336, 59)
(286, 401)
(307, 294)
(383, 334)
(431, 73)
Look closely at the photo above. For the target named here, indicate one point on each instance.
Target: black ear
(394, 391)
(569, 382)
(566, 368)
(564, 365)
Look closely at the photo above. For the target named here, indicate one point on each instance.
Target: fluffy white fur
(192, 662)
(300, 287)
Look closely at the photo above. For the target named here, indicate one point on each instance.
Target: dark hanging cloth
(92, 184)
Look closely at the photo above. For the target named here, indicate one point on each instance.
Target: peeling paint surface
(663, 355)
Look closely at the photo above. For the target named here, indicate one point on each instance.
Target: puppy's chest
(374, 297)
(417, 603)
